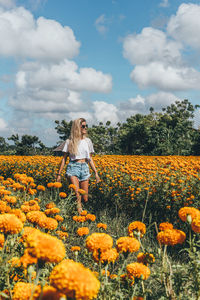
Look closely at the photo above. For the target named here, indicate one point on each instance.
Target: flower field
(138, 237)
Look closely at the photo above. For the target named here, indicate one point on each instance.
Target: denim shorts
(80, 170)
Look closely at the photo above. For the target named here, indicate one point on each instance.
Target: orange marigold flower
(109, 256)
(74, 280)
(72, 186)
(4, 207)
(27, 231)
(45, 247)
(62, 235)
(10, 224)
(2, 240)
(27, 259)
(10, 199)
(50, 184)
(90, 217)
(84, 213)
(171, 237)
(49, 292)
(99, 241)
(75, 248)
(127, 244)
(135, 228)
(41, 188)
(83, 231)
(79, 219)
(138, 270)
(196, 225)
(59, 218)
(23, 291)
(165, 225)
(48, 223)
(36, 217)
(62, 195)
(18, 213)
(145, 258)
(52, 211)
(188, 211)
(102, 225)
(57, 185)
(50, 205)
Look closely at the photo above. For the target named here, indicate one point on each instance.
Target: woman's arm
(62, 164)
(92, 165)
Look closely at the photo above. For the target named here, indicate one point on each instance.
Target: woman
(79, 148)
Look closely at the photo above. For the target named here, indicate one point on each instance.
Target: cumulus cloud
(23, 36)
(103, 111)
(151, 45)
(158, 56)
(141, 105)
(165, 77)
(185, 25)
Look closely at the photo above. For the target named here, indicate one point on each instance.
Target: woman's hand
(97, 177)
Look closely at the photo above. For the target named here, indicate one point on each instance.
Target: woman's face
(83, 127)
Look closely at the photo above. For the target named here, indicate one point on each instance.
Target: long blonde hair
(75, 136)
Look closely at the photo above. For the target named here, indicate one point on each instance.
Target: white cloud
(104, 111)
(3, 125)
(100, 24)
(141, 105)
(185, 25)
(150, 45)
(7, 3)
(165, 77)
(44, 39)
(164, 3)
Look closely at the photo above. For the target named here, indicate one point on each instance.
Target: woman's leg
(74, 180)
(84, 185)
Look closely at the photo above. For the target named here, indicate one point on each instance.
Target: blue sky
(103, 60)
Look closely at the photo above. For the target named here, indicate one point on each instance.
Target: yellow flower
(74, 280)
(84, 213)
(45, 247)
(99, 241)
(186, 211)
(62, 235)
(138, 270)
(10, 224)
(79, 219)
(83, 231)
(171, 237)
(165, 225)
(59, 218)
(27, 259)
(52, 211)
(136, 227)
(50, 184)
(18, 213)
(50, 205)
(23, 291)
(127, 244)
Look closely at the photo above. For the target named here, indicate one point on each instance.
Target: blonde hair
(75, 136)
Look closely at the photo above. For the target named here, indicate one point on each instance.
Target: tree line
(169, 132)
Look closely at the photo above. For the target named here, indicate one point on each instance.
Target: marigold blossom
(165, 225)
(138, 227)
(74, 280)
(10, 224)
(138, 270)
(188, 211)
(99, 241)
(83, 231)
(23, 291)
(171, 237)
(127, 244)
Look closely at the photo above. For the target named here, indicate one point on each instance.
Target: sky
(98, 59)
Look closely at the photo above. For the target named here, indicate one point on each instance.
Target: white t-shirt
(85, 147)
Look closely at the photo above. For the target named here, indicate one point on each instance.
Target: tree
(27, 145)
(63, 128)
